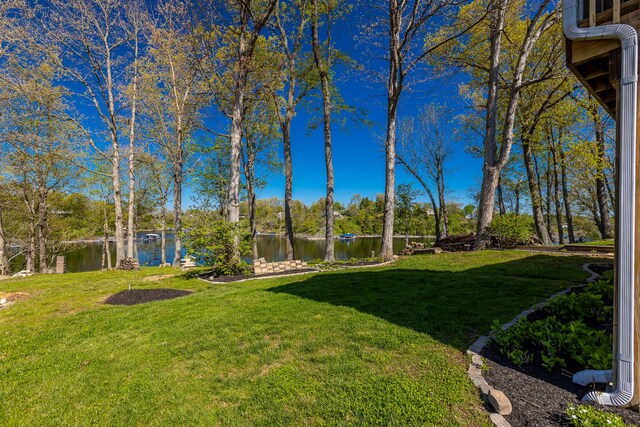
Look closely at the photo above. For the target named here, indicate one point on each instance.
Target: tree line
(132, 101)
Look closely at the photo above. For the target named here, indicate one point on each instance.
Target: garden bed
(533, 361)
(141, 296)
(211, 277)
(539, 398)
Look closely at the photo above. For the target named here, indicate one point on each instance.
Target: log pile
(457, 243)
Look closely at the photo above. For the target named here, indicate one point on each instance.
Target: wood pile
(457, 243)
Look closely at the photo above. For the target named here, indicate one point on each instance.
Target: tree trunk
(394, 88)
(493, 168)
(289, 252)
(163, 232)
(517, 196)
(565, 196)
(487, 204)
(177, 206)
(131, 253)
(323, 69)
(386, 251)
(443, 206)
(534, 192)
(4, 257)
(547, 176)
(556, 194)
(601, 192)
(490, 173)
(42, 229)
(501, 207)
(249, 174)
(105, 231)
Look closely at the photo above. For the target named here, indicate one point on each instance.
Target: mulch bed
(140, 296)
(210, 277)
(539, 397)
(600, 268)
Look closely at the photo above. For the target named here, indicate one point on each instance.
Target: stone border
(259, 278)
(497, 398)
(300, 274)
(351, 267)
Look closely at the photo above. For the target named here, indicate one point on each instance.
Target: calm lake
(271, 248)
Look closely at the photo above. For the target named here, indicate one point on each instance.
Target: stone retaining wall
(261, 266)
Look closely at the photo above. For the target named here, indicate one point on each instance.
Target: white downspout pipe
(626, 199)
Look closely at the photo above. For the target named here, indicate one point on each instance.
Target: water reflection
(271, 248)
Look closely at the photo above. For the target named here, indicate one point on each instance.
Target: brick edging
(497, 398)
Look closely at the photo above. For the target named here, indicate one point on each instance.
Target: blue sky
(358, 155)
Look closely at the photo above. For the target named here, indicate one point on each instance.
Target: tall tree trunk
(547, 177)
(31, 246)
(105, 231)
(556, 194)
(492, 168)
(132, 176)
(115, 160)
(177, 205)
(443, 207)
(42, 229)
(394, 88)
(323, 71)
(491, 173)
(501, 207)
(249, 173)
(163, 233)
(233, 195)
(565, 196)
(31, 231)
(289, 252)
(517, 195)
(4, 257)
(534, 192)
(386, 250)
(603, 208)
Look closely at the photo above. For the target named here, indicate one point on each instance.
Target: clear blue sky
(358, 153)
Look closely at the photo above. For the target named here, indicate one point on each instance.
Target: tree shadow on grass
(453, 307)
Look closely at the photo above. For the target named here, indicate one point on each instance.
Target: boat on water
(150, 238)
(347, 236)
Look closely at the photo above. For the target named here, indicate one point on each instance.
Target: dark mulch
(234, 278)
(600, 268)
(140, 296)
(539, 397)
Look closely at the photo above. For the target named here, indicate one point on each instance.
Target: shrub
(510, 230)
(587, 416)
(213, 244)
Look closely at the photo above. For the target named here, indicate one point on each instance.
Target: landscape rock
(499, 421)
(500, 402)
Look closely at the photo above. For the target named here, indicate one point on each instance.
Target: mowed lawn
(380, 346)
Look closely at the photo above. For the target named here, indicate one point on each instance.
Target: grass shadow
(452, 305)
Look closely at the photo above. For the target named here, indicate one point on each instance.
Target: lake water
(271, 248)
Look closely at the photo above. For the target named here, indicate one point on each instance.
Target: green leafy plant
(510, 230)
(213, 244)
(587, 416)
(566, 337)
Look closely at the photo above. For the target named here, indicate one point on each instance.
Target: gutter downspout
(625, 253)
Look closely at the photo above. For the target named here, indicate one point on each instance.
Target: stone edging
(497, 398)
(299, 274)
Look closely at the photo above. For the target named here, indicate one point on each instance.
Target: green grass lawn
(357, 347)
(605, 242)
